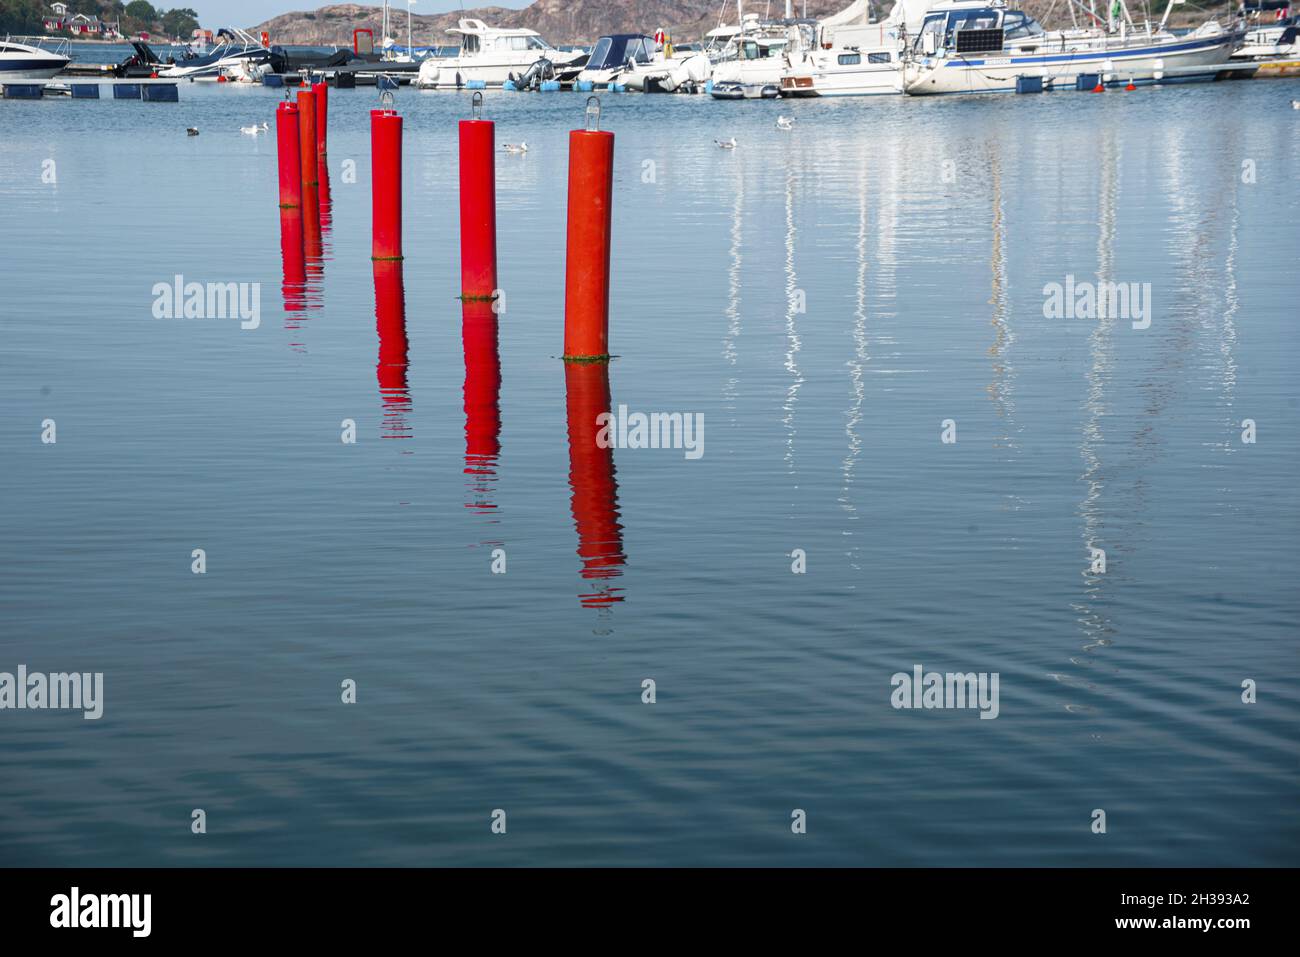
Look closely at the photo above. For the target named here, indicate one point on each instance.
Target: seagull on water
(254, 129)
(784, 123)
(520, 147)
(726, 144)
(1295, 104)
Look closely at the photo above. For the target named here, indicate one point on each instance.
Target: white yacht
(979, 46)
(490, 56)
(25, 59)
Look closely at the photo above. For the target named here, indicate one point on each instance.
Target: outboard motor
(531, 79)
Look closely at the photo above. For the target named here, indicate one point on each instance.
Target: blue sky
(247, 13)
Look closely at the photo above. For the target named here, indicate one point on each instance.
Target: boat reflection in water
(595, 490)
(482, 403)
(390, 322)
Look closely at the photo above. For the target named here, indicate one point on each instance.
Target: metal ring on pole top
(476, 106)
(593, 113)
(386, 100)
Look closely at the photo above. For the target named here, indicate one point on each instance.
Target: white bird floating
(726, 144)
(784, 123)
(254, 129)
(1295, 104)
(520, 147)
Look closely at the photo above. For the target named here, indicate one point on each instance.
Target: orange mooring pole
(286, 138)
(478, 202)
(386, 184)
(321, 94)
(586, 273)
(307, 135)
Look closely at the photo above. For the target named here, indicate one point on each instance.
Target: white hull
(671, 74)
(28, 62)
(823, 75)
(228, 64)
(30, 74)
(1141, 60)
(763, 72)
(454, 72)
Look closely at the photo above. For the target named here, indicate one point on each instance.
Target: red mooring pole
(386, 184)
(286, 138)
(478, 203)
(586, 278)
(307, 135)
(321, 93)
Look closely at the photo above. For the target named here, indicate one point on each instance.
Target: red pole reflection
(482, 399)
(326, 203)
(390, 322)
(291, 255)
(591, 476)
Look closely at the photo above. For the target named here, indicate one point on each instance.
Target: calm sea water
(919, 233)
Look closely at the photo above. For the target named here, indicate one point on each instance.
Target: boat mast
(1165, 18)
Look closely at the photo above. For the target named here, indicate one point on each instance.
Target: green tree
(180, 22)
(141, 10)
(21, 16)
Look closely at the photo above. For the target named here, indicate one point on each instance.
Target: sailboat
(981, 46)
(848, 55)
(753, 60)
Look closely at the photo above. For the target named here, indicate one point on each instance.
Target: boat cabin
(973, 28)
(617, 50)
(477, 37)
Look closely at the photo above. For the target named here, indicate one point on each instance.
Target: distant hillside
(582, 21)
(559, 21)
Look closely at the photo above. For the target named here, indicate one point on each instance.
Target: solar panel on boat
(979, 41)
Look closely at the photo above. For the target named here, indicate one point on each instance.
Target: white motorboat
(980, 46)
(235, 52)
(26, 59)
(1275, 48)
(490, 56)
(614, 55)
(663, 68)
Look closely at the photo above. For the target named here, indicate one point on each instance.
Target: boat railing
(55, 45)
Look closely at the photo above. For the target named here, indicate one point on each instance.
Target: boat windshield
(944, 26)
(638, 50)
(1017, 25)
(600, 53)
